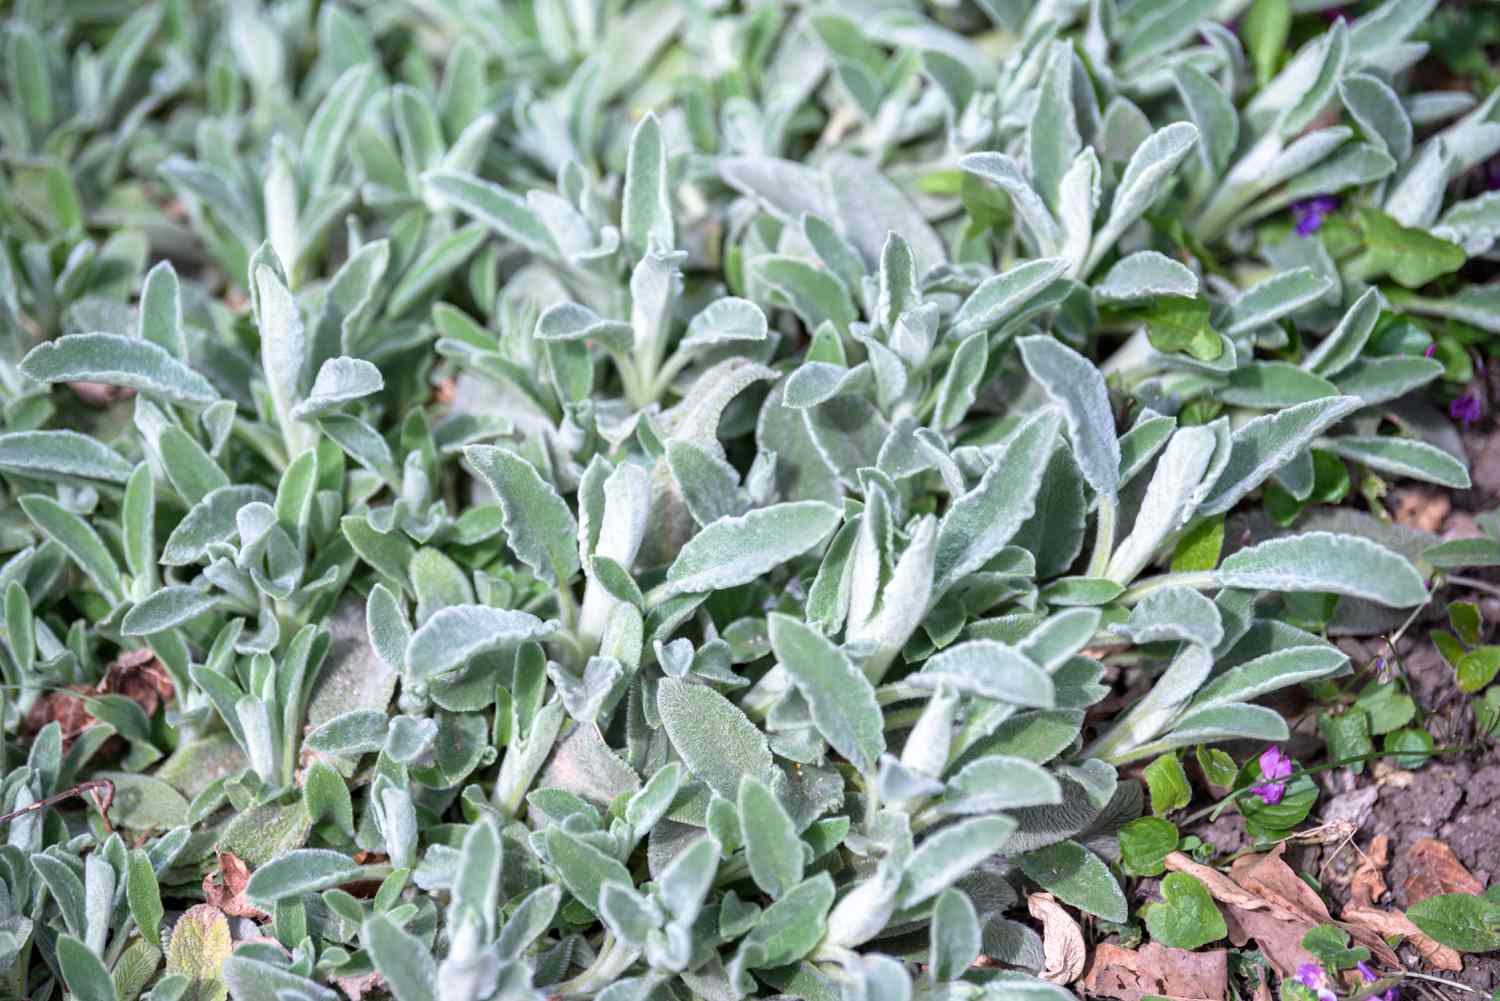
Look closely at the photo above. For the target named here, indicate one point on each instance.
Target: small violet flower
(1431, 350)
(1467, 409)
(1311, 212)
(1311, 976)
(1371, 976)
(1275, 767)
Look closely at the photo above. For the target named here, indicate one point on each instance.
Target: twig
(101, 792)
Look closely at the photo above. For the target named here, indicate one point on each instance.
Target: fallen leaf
(227, 892)
(1368, 884)
(357, 987)
(1155, 970)
(1278, 933)
(1221, 886)
(1387, 923)
(1422, 509)
(1062, 939)
(1273, 880)
(1434, 870)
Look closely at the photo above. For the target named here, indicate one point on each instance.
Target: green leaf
(1463, 921)
(1076, 876)
(841, 699)
(340, 380)
(1188, 917)
(946, 856)
(504, 212)
(1144, 845)
(584, 869)
(1477, 668)
(1410, 256)
(165, 609)
(990, 669)
(1168, 783)
(1265, 30)
(1404, 457)
(539, 527)
(955, 936)
(772, 848)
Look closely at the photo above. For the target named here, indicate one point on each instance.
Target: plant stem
(1214, 809)
(1104, 537)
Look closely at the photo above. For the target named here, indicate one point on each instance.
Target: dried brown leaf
(226, 888)
(1434, 870)
(1155, 970)
(1368, 884)
(1387, 923)
(1062, 939)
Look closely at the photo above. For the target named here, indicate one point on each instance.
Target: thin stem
(1200, 579)
(1473, 583)
(1214, 809)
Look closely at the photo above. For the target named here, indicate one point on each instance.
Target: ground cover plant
(664, 499)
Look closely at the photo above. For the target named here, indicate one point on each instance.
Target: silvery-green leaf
(725, 321)
(306, 870)
(539, 527)
(1355, 165)
(1153, 713)
(1235, 721)
(980, 523)
(646, 212)
(1005, 174)
(955, 936)
(1261, 446)
(1378, 112)
(1169, 503)
(785, 188)
(731, 551)
(1059, 637)
(256, 980)
(841, 699)
(1143, 275)
(1270, 385)
(1214, 114)
(772, 848)
(961, 383)
(1052, 139)
(1078, 387)
(569, 321)
(1274, 298)
(284, 355)
(1379, 380)
(999, 782)
(1078, 194)
(991, 669)
(869, 208)
(1076, 876)
(50, 455)
(1173, 614)
(165, 609)
(813, 294)
(76, 538)
(504, 212)
(948, 855)
(362, 443)
(1404, 457)
(454, 635)
(1326, 562)
(792, 926)
(389, 631)
(402, 959)
(1473, 224)
(339, 381)
(118, 361)
(897, 283)
(715, 739)
(1334, 46)
(1346, 343)
(161, 311)
(434, 266)
(709, 485)
(1144, 181)
(358, 731)
(999, 296)
(1292, 666)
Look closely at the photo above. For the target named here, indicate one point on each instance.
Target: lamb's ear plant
(651, 500)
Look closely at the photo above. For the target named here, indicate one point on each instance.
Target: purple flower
(1275, 767)
(1431, 350)
(1311, 976)
(1466, 409)
(1311, 212)
(1371, 976)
